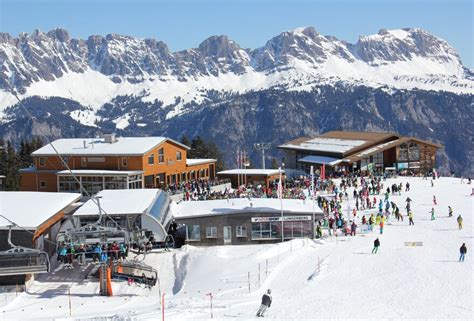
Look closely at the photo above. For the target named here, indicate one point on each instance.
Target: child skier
(266, 302)
(410, 218)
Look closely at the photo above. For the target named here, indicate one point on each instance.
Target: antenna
(262, 147)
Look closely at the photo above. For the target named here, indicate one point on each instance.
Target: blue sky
(185, 23)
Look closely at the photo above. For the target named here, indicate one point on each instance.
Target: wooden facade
(163, 165)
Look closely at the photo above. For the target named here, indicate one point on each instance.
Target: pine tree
(12, 175)
(274, 163)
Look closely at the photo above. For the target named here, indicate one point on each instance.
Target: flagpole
(312, 197)
(281, 206)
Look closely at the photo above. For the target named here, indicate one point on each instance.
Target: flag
(280, 186)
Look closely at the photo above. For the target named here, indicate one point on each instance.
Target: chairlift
(92, 234)
(19, 260)
(137, 271)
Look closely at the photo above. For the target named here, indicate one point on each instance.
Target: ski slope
(310, 279)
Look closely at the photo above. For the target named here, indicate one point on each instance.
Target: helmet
(269, 291)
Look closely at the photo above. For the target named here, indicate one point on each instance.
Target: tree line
(12, 160)
(201, 148)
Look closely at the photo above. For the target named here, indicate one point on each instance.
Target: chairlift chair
(139, 272)
(91, 234)
(20, 260)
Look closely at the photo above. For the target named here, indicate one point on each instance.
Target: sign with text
(278, 219)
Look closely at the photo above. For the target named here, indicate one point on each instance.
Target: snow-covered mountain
(95, 71)
(299, 83)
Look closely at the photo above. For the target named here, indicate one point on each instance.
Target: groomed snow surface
(399, 282)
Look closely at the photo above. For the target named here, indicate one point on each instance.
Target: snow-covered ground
(310, 279)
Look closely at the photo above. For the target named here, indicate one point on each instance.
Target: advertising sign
(278, 219)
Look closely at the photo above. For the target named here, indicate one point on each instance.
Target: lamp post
(262, 147)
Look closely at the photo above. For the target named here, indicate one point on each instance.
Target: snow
(250, 171)
(97, 172)
(335, 278)
(198, 161)
(122, 122)
(117, 202)
(327, 144)
(242, 205)
(31, 209)
(85, 117)
(97, 146)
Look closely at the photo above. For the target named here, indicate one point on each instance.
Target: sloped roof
(98, 146)
(31, 209)
(381, 147)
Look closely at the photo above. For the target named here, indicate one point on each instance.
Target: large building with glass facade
(246, 221)
(361, 151)
(112, 163)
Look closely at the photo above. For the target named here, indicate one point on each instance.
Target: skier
(432, 184)
(459, 221)
(450, 211)
(410, 218)
(432, 214)
(266, 302)
(462, 251)
(407, 187)
(376, 246)
(381, 226)
(353, 228)
(434, 200)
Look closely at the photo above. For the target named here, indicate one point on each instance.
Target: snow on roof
(252, 171)
(120, 202)
(327, 144)
(31, 209)
(320, 160)
(198, 161)
(97, 146)
(97, 172)
(242, 205)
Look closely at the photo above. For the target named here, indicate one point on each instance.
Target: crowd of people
(67, 253)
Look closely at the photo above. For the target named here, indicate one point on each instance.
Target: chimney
(85, 145)
(110, 138)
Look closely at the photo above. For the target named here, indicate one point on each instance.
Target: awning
(320, 160)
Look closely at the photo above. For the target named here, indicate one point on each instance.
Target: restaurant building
(251, 176)
(113, 163)
(361, 151)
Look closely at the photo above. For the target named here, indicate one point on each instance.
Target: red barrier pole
(210, 296)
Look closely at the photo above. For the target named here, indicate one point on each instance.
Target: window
(83, 161)
(183, 176)
(178, 155)
(151, 159)
(240, 231)
(42, 161)
(161, 155)
(124, 161)
(266, 230)
(211, 232)
(193, 233)
(42, 184)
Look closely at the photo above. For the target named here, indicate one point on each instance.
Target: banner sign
(413, 243)
(278, 219)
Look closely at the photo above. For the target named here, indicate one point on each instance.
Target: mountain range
(299, 83)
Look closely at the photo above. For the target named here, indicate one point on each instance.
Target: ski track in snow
(399, 282)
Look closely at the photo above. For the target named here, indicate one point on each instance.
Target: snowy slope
(400, 282)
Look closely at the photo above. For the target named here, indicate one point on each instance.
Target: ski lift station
(138, 210)
(29, 223)
(246, 220)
